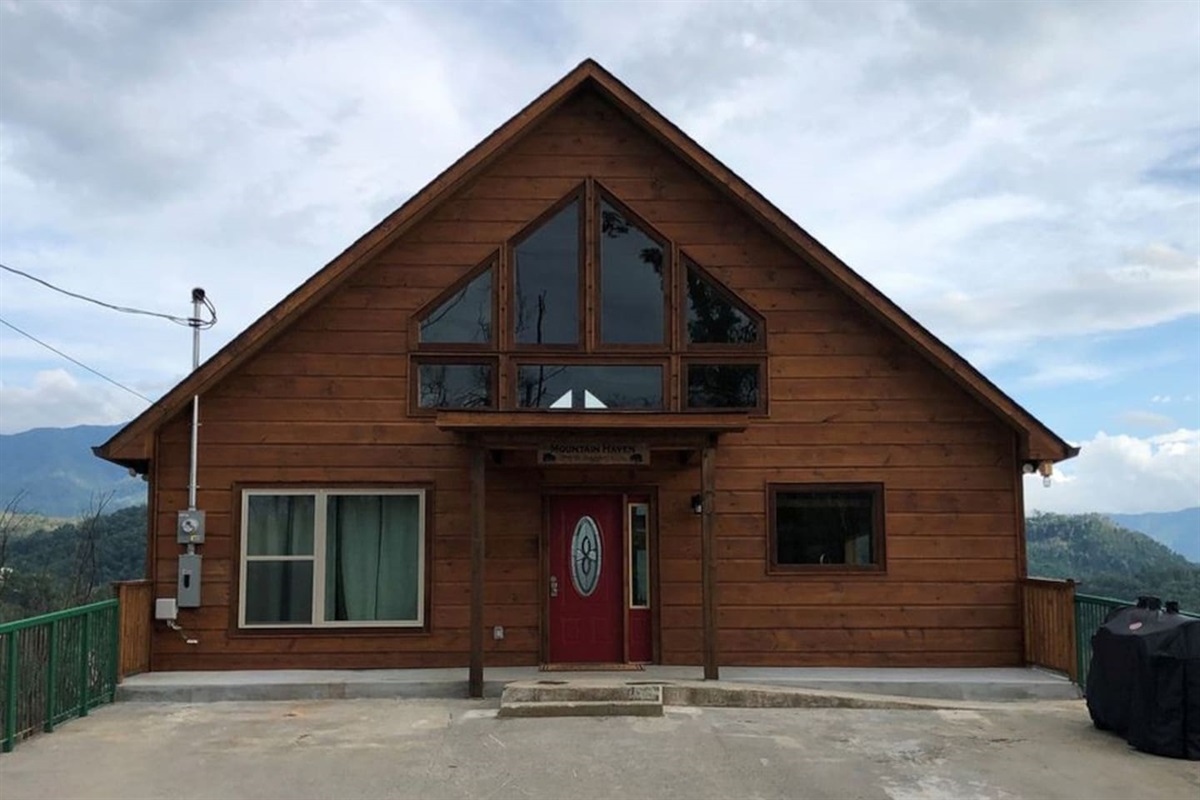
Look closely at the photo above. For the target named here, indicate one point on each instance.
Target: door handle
(553, 586)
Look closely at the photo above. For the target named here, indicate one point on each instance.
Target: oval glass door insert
(585, 556)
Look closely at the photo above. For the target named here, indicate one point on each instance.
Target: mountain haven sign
(594, 453)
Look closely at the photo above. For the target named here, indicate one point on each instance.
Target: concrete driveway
(459, 749)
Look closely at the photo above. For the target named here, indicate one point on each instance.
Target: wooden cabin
(589, 398)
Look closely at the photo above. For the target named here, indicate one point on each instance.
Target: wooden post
(708, 558)
(475, 676)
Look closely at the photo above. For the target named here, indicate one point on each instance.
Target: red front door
(586, 560)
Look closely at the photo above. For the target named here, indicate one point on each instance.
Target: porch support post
(475, 673)
(708, 556)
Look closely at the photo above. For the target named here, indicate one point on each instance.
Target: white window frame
(321, 498)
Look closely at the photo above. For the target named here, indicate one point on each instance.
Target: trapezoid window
(714, 316)
(632, 278)
(466, 316)
(546, 266)
(590, 388)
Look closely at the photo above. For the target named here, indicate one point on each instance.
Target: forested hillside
(1108, 559)
(71, 564)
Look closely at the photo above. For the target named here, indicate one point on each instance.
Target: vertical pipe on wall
(197, 299)
(708, 558)
(475, 671)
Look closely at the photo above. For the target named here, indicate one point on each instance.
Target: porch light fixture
(1046, 469)
(697, 504)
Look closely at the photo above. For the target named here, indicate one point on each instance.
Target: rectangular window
(816, 526)
(590, 388)
(333, 557)
(723, 385)
(455, 385)
(639, 555)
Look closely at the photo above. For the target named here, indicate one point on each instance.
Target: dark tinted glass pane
(279, 592)
(589, 388)
(631, 282)
(722, 385)
(713, 318)
(824, 528)
(547, 291)
(639, 556)
(464, 318)
(455, 385)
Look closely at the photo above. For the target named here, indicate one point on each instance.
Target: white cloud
(56, 399)
(1015, 175)
(1124, 474)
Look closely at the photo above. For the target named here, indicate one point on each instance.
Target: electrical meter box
(188, 591)
(190, 527)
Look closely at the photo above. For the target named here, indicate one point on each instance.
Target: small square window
(455, 385)
(826, 526)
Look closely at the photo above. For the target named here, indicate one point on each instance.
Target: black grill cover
(1144, 680)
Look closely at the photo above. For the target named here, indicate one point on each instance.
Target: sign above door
(593, 453)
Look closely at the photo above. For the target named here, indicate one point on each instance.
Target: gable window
(723, 385)
(455, 385)
(465, 317)
(599, 312)
(632, 272)
(587, 387)
(826, 526)
(546, 266)
(325, 557)
(714, 317)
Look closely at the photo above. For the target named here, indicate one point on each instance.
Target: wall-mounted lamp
(1046, 469)
(697, 504)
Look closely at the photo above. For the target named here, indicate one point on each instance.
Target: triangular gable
(133, 444)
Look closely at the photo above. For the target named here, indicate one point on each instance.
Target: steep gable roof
(133, 445)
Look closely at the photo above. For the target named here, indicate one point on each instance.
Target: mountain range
(58, 474)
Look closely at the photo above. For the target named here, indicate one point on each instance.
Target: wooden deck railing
(136, 600)
(1048, 610)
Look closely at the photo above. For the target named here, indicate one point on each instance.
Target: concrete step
(581, 699)
(582, 708)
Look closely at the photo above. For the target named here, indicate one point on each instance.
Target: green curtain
(373, 563)
(279, 591)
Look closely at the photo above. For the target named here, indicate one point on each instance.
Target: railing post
(114, 663)
(51, 678)
(83, 667)
(10, 700)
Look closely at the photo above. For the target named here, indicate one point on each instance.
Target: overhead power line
(75, 361)
(203, 324)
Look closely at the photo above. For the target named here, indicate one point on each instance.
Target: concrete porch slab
(986, 684)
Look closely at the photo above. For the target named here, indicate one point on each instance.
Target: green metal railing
(56, 667)
(1090, 611)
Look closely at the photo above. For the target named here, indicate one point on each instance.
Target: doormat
(590, 668)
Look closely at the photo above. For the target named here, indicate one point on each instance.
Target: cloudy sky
(1024, 178)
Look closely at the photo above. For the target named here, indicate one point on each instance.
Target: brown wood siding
(327, 402)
